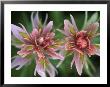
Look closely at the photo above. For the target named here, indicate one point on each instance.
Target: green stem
(85, 20)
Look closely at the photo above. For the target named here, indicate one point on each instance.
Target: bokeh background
(92, 68)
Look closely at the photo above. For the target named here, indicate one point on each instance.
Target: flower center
(41, 40)
(81, 43)
(82, 40)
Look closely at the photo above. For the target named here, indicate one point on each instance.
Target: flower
(80, 42)
(40, 42)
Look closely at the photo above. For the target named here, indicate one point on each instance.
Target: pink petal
(67, 26)
(45, 20)
(78, 50)
(19, 62)
(24, 29)
(39, 69)
(78, 63)
(73, 23)
(48, 28)
(40, 54)
(35, 20)
(51, 70)
(25, 50)
(52, 35)
(15, 30)
(97, 51)
(24, 53)
(91, 50)
(54, 55)
(92, 28)
(34, 33)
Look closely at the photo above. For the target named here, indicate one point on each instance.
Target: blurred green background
(91, 69)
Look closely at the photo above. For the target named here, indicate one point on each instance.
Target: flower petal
(39, 69)
(15, 30)
(45, 20)
(15, 42)
(43, 66)
(34, 33)
(48, 28)
(24, 53)
(68, 28)
(35, 20)
(51, 70)
(40, 54)
(91, 50)
(92, 28)
(25, 50)
(19, 62)
(78, 50)
(51, 35)
(54, 55)
(97, 49)
(74, 23)
(78, 63)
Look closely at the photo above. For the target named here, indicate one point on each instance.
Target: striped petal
(35, 20)
(15, 42)
(51, 52)
(19, 62)
(97, 49)
(43, 66)
(39, 69)
(34, 34)
(51, 70)
(78, 63)
(16, 32)
(91, 50)
(48, 28)
(25, 50)
(68, 28)
(92, 29)
(45, 20)
(73, 23)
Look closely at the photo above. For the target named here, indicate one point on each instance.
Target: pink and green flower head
(40, 42)
(80, 42)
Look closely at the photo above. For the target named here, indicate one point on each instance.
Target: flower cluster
(42, 44)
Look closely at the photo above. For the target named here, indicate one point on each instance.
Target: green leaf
(85, 20)
(57, 18)
(89, 67)
(96, 40)
(27, 70)
(26, 21)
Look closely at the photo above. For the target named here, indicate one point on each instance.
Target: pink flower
(80, 42)
(40, 42)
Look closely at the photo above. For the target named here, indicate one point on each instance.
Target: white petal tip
(97, 24)
(51, 22)
(79, 74)
(71, 15)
